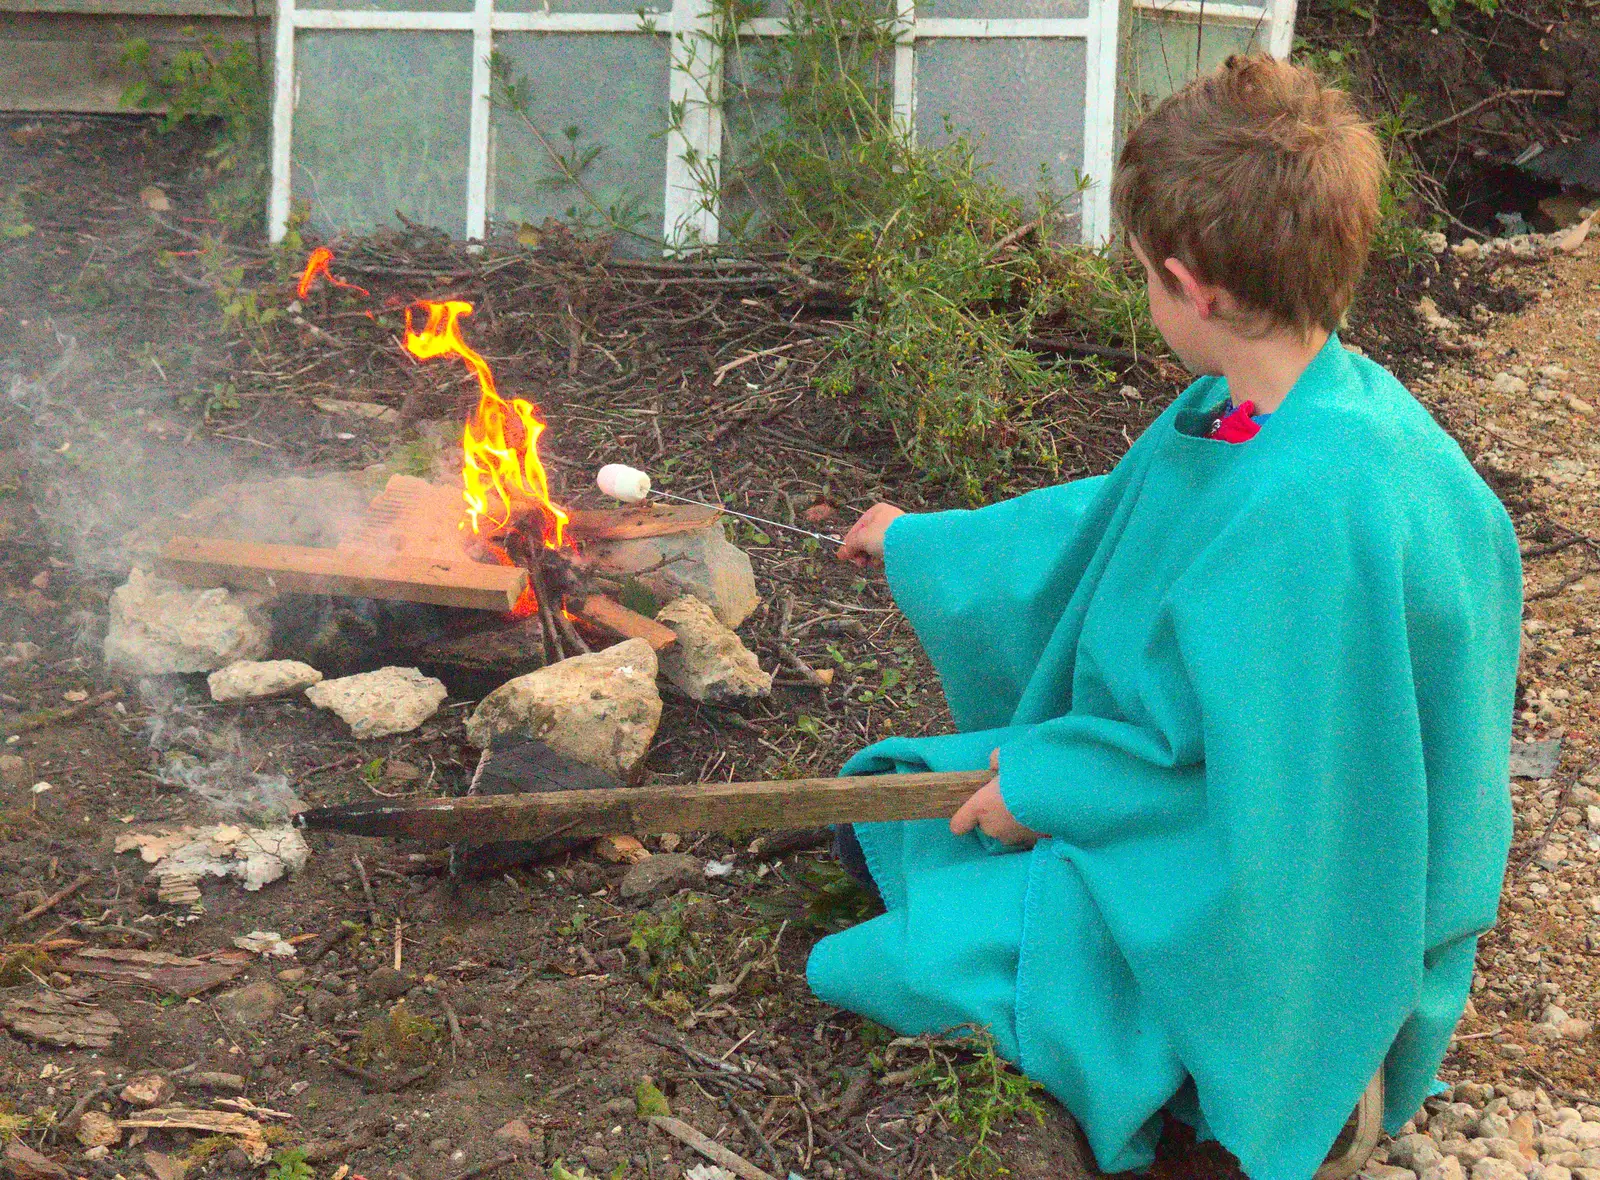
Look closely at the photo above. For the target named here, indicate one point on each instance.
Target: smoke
(208, 760)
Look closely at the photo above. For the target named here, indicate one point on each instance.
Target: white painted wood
(1241, 13)
(1280, 36)
(478, 124)
(905, 68)
(950, 26)
(579, 22)
(689, 222)
(339, 18)
(764, 26)
(283, 98)
(1100, 119)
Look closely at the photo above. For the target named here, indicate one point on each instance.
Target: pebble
(1490, 1168)
(387, 984)
(1414, 1151)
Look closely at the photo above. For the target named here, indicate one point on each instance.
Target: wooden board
(696, 807)
(642, 520)
(294, 569)
(611, 615)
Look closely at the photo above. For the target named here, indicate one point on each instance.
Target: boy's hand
(863, 544)
(987, 811)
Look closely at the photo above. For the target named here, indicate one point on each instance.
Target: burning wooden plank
(609, 615)
(719, 807)
(250, 565)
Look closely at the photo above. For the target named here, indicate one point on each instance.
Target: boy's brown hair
(1260, 180)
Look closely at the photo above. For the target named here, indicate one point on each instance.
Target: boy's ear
(1201, 296)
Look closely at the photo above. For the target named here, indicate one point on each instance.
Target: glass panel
(567, 148)
(1160, 51)
(656, 7)
(1019, 100)
(996, 9)
(380, 127)
(389, 5)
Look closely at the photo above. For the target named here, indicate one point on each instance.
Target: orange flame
(501, 476)
(316, 265)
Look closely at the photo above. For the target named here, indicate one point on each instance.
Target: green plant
(290, 1164)
(976, 1092)
(675, 956)
(949, 273)
(215, 82)
(14, 217)
(399, 1037)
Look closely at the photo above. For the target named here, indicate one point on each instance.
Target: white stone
(1468, 1151)
(1453, 1118)
(1448, 1168)
(709, 662)
(159, 627)
(1490, 1168)
(1506, 383)
(601, 708)
(376, 704)
(1387, 1172)
(1493, 1126)
(703, 563)
(1415, 1152)
(249, 679)
(1435, 242)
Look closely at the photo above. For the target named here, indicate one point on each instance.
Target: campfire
(498, 542)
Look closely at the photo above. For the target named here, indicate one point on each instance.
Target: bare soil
(547, 998)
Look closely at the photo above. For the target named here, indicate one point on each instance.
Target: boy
(1249, 695)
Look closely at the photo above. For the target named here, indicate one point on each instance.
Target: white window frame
(688, 220)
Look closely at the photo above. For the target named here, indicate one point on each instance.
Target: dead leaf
(621, 850)
(1568, 240)
(154, 199)
(818, 513)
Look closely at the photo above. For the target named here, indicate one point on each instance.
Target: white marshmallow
(628, 484)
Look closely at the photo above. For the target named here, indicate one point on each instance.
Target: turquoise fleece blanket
(1259, 698)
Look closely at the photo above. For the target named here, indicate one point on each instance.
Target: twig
(456, 1039)
(337, 763)
(739, 362)
(731, 1072)
(399, 943)
(854, 1156)
(69, 1125)
(57, 716)
(47, 904)
(1563, 584)
(1012, 238)
(1480, 104)
(366, 885)
(1078, 347)
(327, 941)
(754, 1132)
(377, 1082)
(710, 1148)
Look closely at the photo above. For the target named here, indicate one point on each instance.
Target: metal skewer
(753, 519)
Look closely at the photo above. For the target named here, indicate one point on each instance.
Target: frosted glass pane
(1020, 101)
(611, 135)
(1003, 8)
(380, 127)
(1161, 51)
(650, 7)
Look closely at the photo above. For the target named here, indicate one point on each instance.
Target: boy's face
(1184, 319)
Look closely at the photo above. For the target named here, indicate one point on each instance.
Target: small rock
(1468, 1151)
(23, 1163)
(1578, 406)
(1453, 1118)
(1468, 250)
(97, 1154)
(98, 1130)
(1415, 1151)
(147, 1089)
(1435, 243)
(517, 1133)
(250, 679)
(1523, 1129)
(709, 662)
(14, 770)
(292, 975)
(386, 984)
(212, 1082)
(159, 627)
(1493, 1126)
(1554, 1172)
(376, 704)
(660, 875)
(1387, 1172)
(1473, 1093)
(601, 709)
(1511, 1151)
(165, 1167)
(250, 1005)
(324, 1006)
(1490, 1168)
(1448, 1168)
(1506, 383)
(703, 563)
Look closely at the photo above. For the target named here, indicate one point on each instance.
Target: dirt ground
(535, 1004)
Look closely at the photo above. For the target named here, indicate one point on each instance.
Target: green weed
(976, 1093)
(290, 1164)
(676, 957)
(14, 217)
(220, 83)
(400, 1037)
